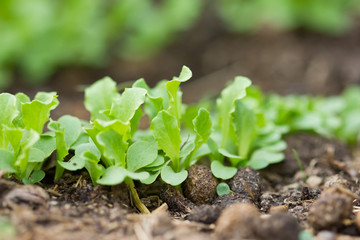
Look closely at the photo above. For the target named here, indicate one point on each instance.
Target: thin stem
(135, 197)
(300, 164)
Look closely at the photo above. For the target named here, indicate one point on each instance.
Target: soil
(275, 203)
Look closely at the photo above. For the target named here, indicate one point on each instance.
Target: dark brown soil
(275, 203)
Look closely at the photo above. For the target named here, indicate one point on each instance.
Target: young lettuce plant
(244, 136)
(115, 119)
(164, 108)
(23, 145)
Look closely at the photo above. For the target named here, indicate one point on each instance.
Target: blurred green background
(41, 37)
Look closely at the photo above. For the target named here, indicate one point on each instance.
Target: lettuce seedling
(117, 157)
(23, 146)
(243, 135)
(165, 109)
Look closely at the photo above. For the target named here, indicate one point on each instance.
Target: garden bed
(72, 207)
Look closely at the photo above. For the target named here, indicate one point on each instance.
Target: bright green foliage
(336, 117)
(115, 119)
(248, 130)
(332, 17)
(23, 146)
(165, 128)
(243, 135)
(41, 36)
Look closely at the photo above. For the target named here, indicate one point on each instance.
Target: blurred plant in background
(39, 36)
(325, 16)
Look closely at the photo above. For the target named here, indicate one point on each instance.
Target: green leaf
(141, 154)
(276, 147)
(221, 171)
(28, 140)
(61, 148)
(47, 144)
(113, 148)
(154, 166)
(173, 90)
(234, 159)
(99, 97)
(72, 128)
(152, 177)
(36, 155)
(80, 149)
(115, 175)
(7, 161)
(125, 106)
(91, 164)
(202, 125)
(14, 136)
(167, 134)
(138, 175)
(244, 122)
(153, 104)
(222, 189)
(75, 163)
(262, 158)
(36, 113)
(173, 178)
(225, 104)
(134, 122)
(8, 108)
(36, 177)
(187, 148)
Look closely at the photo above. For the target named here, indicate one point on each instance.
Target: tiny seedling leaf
(173, 178)
(222, 189)
(221, 171)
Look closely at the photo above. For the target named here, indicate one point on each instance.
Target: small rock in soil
(200, 185)
(227, 200)
(205, 213)
(247, 182)
(175, 200)
(336, 180)
(314, 181)
(238, 221)
(326, 235)
(279, 226)
(331, 209)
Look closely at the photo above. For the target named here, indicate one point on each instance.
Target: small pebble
(325, 235)
(204, 213)
(336, 180)
(314, 181)
(237, 222)
(279, 226)
(227, 200)
(331, 209)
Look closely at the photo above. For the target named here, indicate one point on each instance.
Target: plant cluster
(245, 128)
(39, 37)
